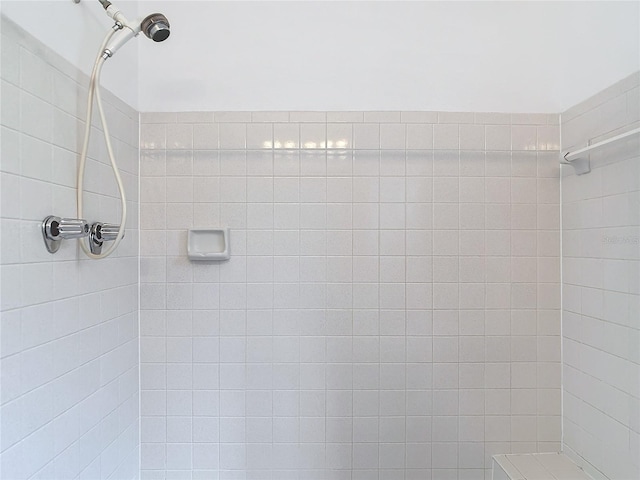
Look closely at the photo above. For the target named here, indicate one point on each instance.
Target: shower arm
(130, 29)
(118, 16)
(121, 23)
(115, 13)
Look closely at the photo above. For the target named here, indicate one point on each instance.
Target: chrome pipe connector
(56, 229)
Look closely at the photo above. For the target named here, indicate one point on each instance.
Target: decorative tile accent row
(334, 130)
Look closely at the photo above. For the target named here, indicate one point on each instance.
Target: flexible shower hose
(94, 91)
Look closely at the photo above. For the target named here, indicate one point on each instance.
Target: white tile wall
(69, 349)
(601, 272)
(390, 309)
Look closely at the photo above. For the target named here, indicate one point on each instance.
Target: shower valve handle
(105, 231)
(101, 232)
(56, 229)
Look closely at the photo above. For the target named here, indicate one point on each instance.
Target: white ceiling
(307, 55)
(454, 56)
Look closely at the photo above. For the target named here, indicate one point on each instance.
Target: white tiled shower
(391, 310)
(69, 360)
(601, 289)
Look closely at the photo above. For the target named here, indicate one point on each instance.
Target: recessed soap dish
(208, 244)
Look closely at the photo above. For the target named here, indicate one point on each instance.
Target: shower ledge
(536, 466)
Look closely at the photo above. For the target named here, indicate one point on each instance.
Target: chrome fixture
(56, 229)
(156, 27)
(100, 233)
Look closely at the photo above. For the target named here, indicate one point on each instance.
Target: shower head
(156, 27)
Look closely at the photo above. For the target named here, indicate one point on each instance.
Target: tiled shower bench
(536, 466)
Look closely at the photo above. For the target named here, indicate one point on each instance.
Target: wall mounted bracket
(581, 165)
(579, 159)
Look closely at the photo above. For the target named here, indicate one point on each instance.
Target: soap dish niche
(208, 244)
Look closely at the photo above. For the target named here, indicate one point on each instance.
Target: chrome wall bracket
(100, 233)
(56, 229)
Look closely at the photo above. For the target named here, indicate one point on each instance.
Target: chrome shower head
(156, 27)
